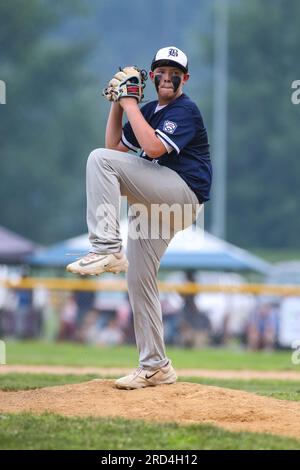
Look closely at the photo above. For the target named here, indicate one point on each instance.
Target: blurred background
(55, 59)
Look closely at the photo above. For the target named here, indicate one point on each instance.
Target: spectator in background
(171, 305)
(195, 329)
(27, 319)
(263, 326)
(23, 311)
(89, 327)
(68, 319)
(111, 334)
(8, 314)
(85, 301)
(100, 329)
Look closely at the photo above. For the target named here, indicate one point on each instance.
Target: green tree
(264, 138)
(50, 121)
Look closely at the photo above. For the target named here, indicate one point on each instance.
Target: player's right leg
(103, 206)
(111, 174)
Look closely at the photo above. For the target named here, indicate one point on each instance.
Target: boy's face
(168, 82)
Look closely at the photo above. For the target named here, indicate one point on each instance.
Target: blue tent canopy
(190, 249)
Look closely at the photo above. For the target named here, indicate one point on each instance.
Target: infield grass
(14, 382)
(68, 354)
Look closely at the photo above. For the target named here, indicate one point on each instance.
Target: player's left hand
(128, 82)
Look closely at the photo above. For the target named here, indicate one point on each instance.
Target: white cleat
(141, 378)
(95, 263)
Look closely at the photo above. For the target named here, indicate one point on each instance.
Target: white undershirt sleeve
(168, 147)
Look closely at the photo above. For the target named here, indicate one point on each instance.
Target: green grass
(48, 431)
(13, 382)
(35, 352)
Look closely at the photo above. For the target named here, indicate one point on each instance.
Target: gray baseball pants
(111, 174)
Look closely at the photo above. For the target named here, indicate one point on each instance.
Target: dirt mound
(183, 403)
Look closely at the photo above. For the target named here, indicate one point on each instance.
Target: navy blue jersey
(180, 126)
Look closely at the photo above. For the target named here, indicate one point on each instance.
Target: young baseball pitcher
(172, 167)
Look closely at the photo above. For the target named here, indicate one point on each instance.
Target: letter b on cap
(173, 52)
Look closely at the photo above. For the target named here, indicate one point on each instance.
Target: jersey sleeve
(128, 138)
(177, 128)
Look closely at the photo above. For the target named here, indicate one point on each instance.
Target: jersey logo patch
(169, 126)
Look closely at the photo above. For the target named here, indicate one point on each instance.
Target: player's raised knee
(95, 156)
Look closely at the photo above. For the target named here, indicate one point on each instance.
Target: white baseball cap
(170, 56)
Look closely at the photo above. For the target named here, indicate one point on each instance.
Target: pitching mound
(183, 403)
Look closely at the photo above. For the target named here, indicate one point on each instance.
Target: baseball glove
(129, 82)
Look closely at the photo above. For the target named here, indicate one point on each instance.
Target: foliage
(48, 125)
(263, 141)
